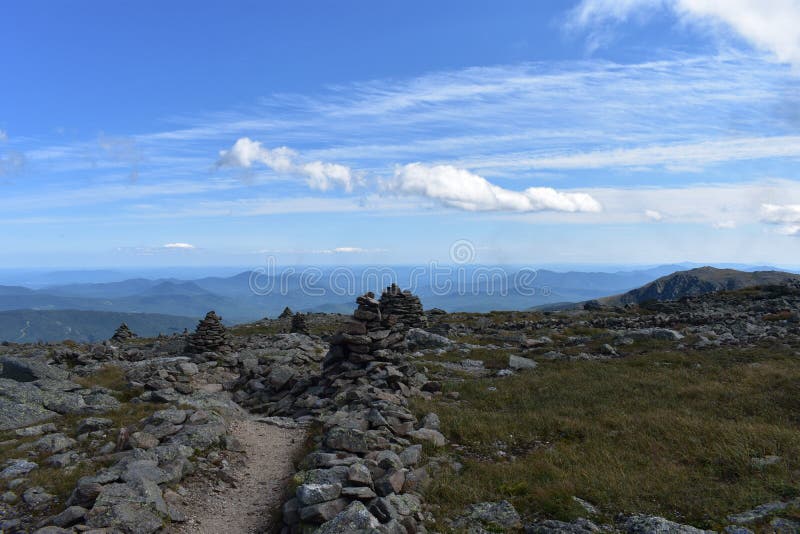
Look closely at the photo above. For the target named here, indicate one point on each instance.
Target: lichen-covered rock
(579, 526)
(419, 339)
(321, 512)
(69, 517)
(316, 493)
(428, 434)
(491, 515)
(17, 468)
(519, 363)
(131, 509)
(648, 524)
(354, 518)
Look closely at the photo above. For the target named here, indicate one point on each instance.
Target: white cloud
(324, 176)
(786, 217)
(653, 215)
(768, 25)
(3, 136)
(245, 152)
(705, 204)
(184, 246)
(282, 160)
(724, 225)
(348, 250)
(459, 188)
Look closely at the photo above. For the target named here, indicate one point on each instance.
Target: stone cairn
(366, 472)
(122, 333)
(406, 307)
(210, 336)
(286, 313)
(377, 325)
(299, 323)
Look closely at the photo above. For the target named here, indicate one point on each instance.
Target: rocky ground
(351, 423)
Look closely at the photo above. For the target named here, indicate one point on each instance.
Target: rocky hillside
(407, 421)
(699, 281)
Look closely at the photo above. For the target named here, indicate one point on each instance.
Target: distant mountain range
(473, 288)
(458, 288)
(27, 326)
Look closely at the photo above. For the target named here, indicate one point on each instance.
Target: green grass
(269, 329)
(664, 433)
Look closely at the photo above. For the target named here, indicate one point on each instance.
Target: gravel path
(247, 502)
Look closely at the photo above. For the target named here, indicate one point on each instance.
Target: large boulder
(648, 524)
(16, 415)
(354, 518)
(29, 369)
(419, 339)
(519, 363)
(494, 516)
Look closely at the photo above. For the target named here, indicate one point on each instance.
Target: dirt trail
(259, 477)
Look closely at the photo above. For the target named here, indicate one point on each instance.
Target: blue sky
(594, 131)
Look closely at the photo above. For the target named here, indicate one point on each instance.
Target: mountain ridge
(699, 281)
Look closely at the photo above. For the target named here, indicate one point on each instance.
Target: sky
(354, 132)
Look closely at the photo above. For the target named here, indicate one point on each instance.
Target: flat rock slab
(259, 481)
(15, 414)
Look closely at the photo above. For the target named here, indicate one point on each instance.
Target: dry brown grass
(108, 376)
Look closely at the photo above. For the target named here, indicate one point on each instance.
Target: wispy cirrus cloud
(630, 137)
(768, 25)
(560, 116)
(680, 156)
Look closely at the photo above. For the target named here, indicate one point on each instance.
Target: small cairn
(286, 313)
(210, 336)
(122, 333)
(299, 323)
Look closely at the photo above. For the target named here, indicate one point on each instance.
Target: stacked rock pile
(378, 326)
(122, 333)
(404, 306)
(210, 336)
(366, 472)
(287, 312)
(299, 324)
